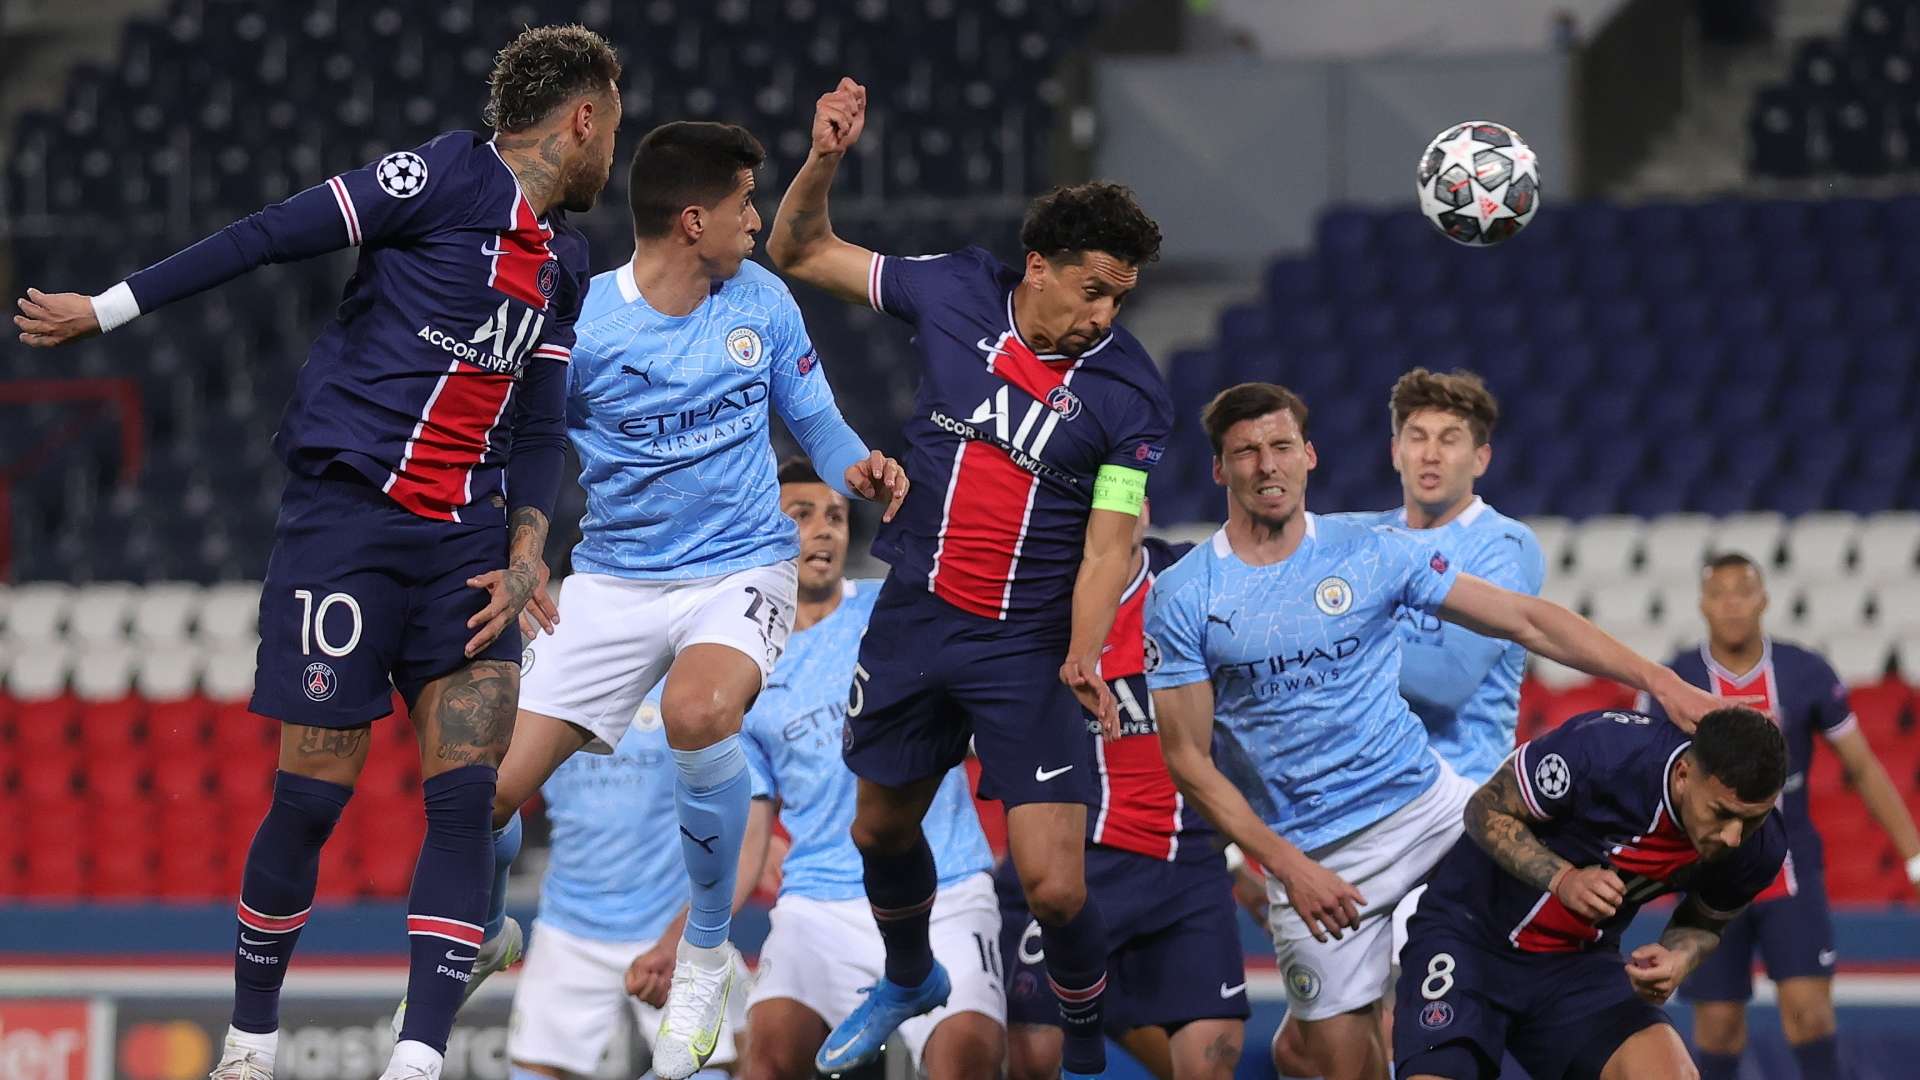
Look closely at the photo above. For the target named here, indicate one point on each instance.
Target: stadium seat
(230, 612)
(168, 670)
(1888, 545)
(103, 670)
(1551, 533)
(1621, 606)
(37, 613)
(1606, 546)
(1675, 544)
(1830, 606)
(1858, 656)
(229, 672)
(163, 612)
(1755, 535)
(1677, 600)
(1779, 133)
(1821, 544)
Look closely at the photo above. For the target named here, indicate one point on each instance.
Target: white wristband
(1235, 860)
(115, 308)
(1913, 870)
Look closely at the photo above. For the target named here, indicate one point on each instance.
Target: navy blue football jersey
(1798, 689)
(1599, 785)
(1004, 443)
(460, 290)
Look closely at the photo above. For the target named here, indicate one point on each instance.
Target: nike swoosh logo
(1044, 775)
(1228, 991)
(249, 941)
(462, 959)
(991, 348)
(1827, 957)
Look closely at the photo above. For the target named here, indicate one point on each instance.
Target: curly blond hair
(544, 68)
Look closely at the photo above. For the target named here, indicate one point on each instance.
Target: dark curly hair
(1743, 750)
(1094, 216)
(543, 69)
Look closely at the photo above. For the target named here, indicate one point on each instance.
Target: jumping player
(1155, 868)
(1283, 624)
(1515, 947)
(823, 949)
(1464, 687)
(685, 568)
(1789, 923)
(608, 904)
(425, 440)
(1034, 427)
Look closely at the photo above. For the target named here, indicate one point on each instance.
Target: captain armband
(1118, 488)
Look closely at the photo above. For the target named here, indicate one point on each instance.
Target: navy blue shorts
(1174, 937)
(1793, 935)
(362, 597)
(1558, 1014)
(933, 677)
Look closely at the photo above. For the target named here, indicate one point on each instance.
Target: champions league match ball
(1479, 183)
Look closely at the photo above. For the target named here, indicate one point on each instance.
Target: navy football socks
(276, 893)
(900, 890)
(448, 903)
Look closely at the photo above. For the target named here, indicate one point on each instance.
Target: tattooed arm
(524, 579)
(1656, 970)
(1499, 821)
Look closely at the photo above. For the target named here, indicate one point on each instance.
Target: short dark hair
(1743, 750)
(686, 163)
(798, 470)
(1460, 392)
(543, 69)
(1094, 216)
(1249, 401)
(1728, 560)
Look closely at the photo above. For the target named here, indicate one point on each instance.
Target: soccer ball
(1479, 183)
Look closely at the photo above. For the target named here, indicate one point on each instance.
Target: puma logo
(1226, 622)
(705, 845)
(646, 378)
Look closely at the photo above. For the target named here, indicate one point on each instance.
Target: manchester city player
(824, 950)
(1283, 624)
(686, 565)
(608, 906)
(425, 445)
(1464, 687)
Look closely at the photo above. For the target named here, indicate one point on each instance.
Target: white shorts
(1385, 861)
(570, 995)
(822, 953)
(617, 637)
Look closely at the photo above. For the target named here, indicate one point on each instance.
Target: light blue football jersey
(616, 872)
(669, 416)
(793, 739)
(1465, 687)
(1305, 666)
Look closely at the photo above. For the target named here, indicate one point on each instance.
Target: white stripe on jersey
(486, 444)
(873, 282)
(554, 352)
(946, 510)
(344, 200)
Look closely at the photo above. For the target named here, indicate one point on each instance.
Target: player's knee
(883, 832)
(1720, 1028)
(1055, 898)
(1033, 1055)
(1805, 1021)
(697, 717)
(1290, 1052)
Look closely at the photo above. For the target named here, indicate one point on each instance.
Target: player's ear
(1036, 276)
(1482, 457)
(1219, 472)
(693, 222)
(1313, 456)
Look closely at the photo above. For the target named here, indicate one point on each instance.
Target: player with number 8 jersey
(1036, 422)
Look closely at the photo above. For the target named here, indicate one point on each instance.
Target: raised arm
(1323, 900)
(803, 244)
(1554, 632)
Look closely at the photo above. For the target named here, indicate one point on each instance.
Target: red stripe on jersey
(1124, 653)
(449, 441)
(1139, 806)
(988, 499)
(1755, 690)
(1657, 855)
(1013, 361)
(1550, 927)
(519, 254)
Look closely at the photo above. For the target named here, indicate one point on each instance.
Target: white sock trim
(267, 1044)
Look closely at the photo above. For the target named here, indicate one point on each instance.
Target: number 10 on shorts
(313, 622)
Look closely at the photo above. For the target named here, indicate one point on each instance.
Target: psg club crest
(401, 174)
(744, 346)
(1551, 777)
(549, 278)
(1063, 401)
(1333, 596)
(1435, 1015)
(319, 681)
